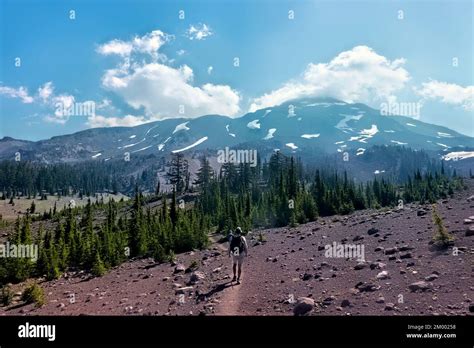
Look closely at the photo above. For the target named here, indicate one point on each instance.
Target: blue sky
(138, 61)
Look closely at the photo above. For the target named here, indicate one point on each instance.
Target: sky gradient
(140, 61)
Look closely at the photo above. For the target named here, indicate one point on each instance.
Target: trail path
(230, 301)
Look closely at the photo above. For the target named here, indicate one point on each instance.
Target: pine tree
(178, 173)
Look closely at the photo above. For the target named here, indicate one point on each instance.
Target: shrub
(98, 268)
(34, 294)
(6, 295)
(442, 236)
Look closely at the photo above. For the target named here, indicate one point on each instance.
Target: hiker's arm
(230, 242)
(246, 247)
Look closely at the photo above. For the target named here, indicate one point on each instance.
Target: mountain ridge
(327, 125)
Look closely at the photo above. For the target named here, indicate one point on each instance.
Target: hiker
(238, 248)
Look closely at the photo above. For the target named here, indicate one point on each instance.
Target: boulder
(390, 251)
(377, 265)
(197, 276)
(470, 231)
(345, 303)
(383, 275)
(419, 286)
(366, 287)
(183, 290)
(303, 306)
(360, 265)
(431, 277)
(179, 268)
(372, 231)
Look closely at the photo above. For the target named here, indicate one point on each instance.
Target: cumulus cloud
(20, 92)
(448, 93)
(357, 75)
(209, 70)
(45, 91)
(198, 32)
(165, 91)
(96, 121)
(148, 44)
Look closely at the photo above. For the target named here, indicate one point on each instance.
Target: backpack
(237, 243)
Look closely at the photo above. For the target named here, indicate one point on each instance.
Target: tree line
(277, 192)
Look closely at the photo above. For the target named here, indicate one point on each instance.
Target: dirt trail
(230, 300)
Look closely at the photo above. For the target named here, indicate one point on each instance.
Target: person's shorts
(239, 259)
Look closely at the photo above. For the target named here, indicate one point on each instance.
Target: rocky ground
(289, 273)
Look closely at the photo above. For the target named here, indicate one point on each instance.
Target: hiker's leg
(241, 260)
(234, 266)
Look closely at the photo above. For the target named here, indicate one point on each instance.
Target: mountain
(302, 127)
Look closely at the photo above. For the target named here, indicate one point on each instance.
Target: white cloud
(149, 44)
(180, 52)
(45, 91)
(105, 103)
(209, 70)
(163, 90)
(448, 93)
(126, 121)
(198, 32)
(21, 92)
(359, 74)
(118, 47)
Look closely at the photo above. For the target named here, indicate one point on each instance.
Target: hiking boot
(233, 279)
(238, 280)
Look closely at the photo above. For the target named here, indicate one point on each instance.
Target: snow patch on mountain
(148, 131)
(325, 105)
(132, 136)
(458, 155)
(310, 136)
(181, 126)
(411, 124)
(270, 133)
(253, 124)
(267, 112)
(443, 145)
(228, 132)
(200, 141)
(379, 172)
(342, 124)
(445, 135)
(365, 134)
(130, 145)
(398, 142)
(96, 155)
(143, 148)
(292, 146)
(360, 151)
(389, 131)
